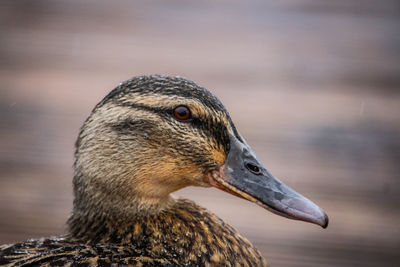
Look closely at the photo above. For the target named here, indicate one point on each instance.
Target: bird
(149, 137)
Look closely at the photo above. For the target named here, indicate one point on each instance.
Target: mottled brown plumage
(185, 235)
(133, 151)
(121, 215)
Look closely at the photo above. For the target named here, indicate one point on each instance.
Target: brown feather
(130, 155)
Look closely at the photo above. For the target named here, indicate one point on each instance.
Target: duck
(149, 137)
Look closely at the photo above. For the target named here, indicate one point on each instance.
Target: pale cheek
(219, 157)
(166, 177)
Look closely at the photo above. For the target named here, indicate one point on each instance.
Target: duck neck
(100, 212)
(112, 225)
(184, 233)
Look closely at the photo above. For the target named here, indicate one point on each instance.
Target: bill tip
(326, 222)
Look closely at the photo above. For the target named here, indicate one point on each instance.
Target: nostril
(253, 168)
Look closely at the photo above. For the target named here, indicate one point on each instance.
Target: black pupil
(182, 112)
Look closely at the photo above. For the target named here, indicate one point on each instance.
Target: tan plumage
(185, 235)
(147, 138)
(131, 154)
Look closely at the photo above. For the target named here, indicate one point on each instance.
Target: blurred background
(312, 85)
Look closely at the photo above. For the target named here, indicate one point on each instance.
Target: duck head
(153, 135)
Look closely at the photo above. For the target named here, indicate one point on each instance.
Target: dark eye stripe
(144, 107)
(210, 127)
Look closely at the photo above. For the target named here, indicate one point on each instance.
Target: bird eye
(182, 113)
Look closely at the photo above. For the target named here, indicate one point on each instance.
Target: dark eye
(182, 113)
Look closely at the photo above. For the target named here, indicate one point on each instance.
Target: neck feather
(99, 222)
(182, 233)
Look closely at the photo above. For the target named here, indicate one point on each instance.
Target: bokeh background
(312, 85)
